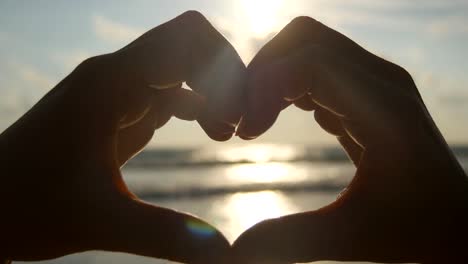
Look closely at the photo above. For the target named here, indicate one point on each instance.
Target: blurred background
(294, 166)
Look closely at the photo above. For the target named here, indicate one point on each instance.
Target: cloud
(442, 93)
(453, 96)
(69, 60)
(112, 31)
(21, 85)
(448, 26)
(3, 37)
(373, 5)
(426, 17)
(454, 99)
(11, 103)
(34, 78)
(364, 15)
(26, 80)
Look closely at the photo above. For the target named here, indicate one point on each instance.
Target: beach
(232, 193)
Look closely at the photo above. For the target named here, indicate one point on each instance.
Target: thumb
(181, 103)
(298, 238)
(178, 102)
(143, 229)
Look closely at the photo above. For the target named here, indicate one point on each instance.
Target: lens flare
(200, 229)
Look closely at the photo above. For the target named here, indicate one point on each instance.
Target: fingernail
(246, 137)
(240, 132)
(240, 128)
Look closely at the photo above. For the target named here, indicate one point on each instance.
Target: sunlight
(258, 153)
(262, 172)
(261, 163)
(247, 209)
(262, 15)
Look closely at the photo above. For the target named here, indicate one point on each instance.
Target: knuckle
(193, 17)
(106, 65)
(88, 62)
(404, 75)
(93, 61)
(303, 21)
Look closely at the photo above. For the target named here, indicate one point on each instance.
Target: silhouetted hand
(408, 199)
(62, 189)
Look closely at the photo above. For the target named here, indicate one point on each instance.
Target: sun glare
(262, 15)
(247, 209)
(259, 172)
(258, 153)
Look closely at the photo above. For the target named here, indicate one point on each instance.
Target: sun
(262, 15)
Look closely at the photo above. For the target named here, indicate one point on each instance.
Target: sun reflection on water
(258, 153)
(246, 209)
(264, 172)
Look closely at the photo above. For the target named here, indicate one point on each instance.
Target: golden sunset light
(165, 132)
(262, 15)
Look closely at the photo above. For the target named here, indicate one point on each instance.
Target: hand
(408, 200)
(62, 189)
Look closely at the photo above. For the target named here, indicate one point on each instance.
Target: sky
(42, 41)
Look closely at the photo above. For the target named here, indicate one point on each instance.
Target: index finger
(189, 49)
(264, 94)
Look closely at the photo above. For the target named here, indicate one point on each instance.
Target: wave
(207, 157)
(235, 155)
(207, 192)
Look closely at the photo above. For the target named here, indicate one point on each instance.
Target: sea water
(234, 187)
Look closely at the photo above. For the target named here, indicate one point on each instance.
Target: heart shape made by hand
(106, 111)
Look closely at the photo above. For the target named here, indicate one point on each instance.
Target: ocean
(234, 187)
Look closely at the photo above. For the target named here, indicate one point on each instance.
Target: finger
(265, 104)
(178, 102)
(182, 103)
(131, 140)
(298, 238)
(352, 148)
(138, 104)
(267, 96)
(142, 229)
(188, 48)
(306, 103)
(305, 31)
(333, 125)
(329, 122)
(332, 83)
(325, 69)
